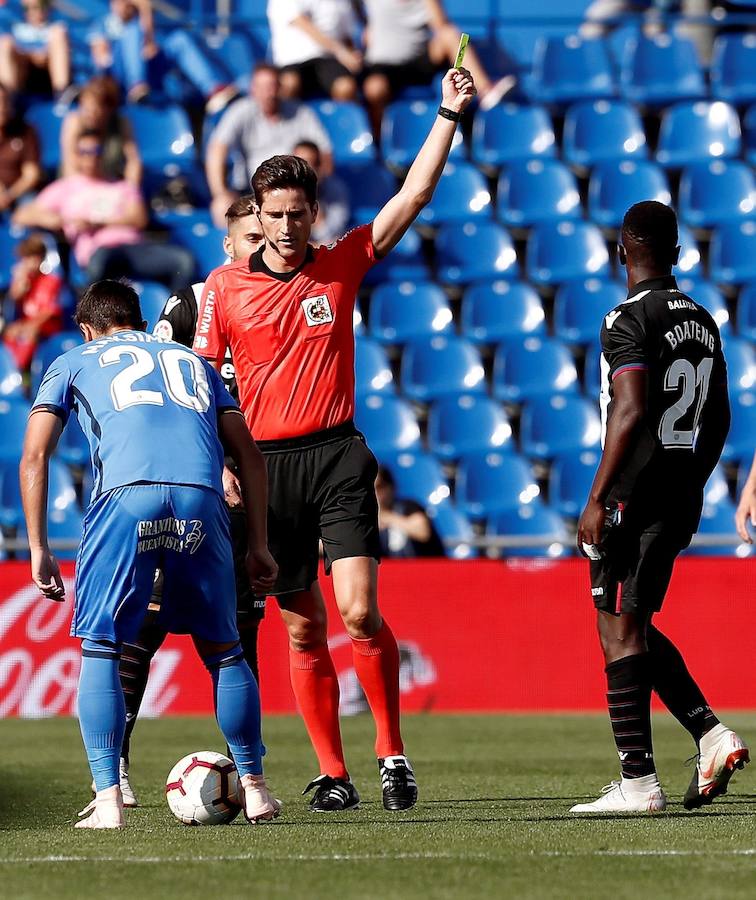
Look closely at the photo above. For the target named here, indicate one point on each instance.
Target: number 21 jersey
(663, 332)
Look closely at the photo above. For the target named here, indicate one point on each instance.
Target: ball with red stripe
(202, 789)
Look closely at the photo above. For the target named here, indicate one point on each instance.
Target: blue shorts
(131, 531)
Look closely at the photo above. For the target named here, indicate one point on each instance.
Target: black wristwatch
(449, 114)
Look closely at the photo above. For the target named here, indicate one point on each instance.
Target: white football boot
(105, 811)
(631, 795)
(258, 803)
(129, 797)
(721, 753)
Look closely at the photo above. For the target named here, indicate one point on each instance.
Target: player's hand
(232, 489)
(262, 569)
(457, 89)
(591, 525)
(46, 574)
(745, 513)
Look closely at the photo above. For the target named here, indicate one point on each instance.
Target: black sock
(628, 696)
(134, 670)
(675, 686)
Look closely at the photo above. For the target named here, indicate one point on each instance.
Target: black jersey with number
(178, 322)
(662, 331)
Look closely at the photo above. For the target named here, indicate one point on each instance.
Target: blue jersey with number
(147, 406)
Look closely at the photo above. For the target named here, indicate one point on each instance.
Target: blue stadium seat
(732, 253)
(388, 423)
(405, 310)
(370, 187)
(461, 195)
(475, 251)
(733, 68)
(10, 376)
(152, 300)
(164, 137)
(406, 124)
(739, 445)
(538, 190)
(73, 447)
(535, 520)
(564, 251)
(454, 529)
(10, 235)
(746, 312)
(65, 525)
(749, 135)
(488, 483)
(741, 366)
(570, 68)
(694, 132)
(440, 366)
(467, 424)
(689, 264)
(602, 131)
(234, 51)
(592, 370)
(570, 481)
(204, 241)
(500, 311)
(405, 262)
(47, 119)
(714, 193)
(61, 493)
(660, 69)
(615, 186)
(716, 488)
(535, 367)
(418, 477)
(718, 523)
(50, 350)
(708, 295)
(580, 306)
(349, 130)
(14, 412)
(556, 426)
(372, 369)
(511, 133)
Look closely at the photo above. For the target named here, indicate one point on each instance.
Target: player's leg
(377, 91)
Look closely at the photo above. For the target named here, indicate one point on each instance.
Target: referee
(286, 314)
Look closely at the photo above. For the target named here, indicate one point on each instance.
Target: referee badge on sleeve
(317, 310)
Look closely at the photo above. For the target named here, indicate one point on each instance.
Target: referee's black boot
(332, 794)
(398, 783)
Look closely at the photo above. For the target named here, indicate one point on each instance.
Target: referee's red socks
(316, 687)
(376, 663)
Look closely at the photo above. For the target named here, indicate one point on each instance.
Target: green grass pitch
(492, 821)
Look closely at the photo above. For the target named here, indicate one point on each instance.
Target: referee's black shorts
(320, 487)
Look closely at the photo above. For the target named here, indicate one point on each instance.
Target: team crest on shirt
(317, 310)
(163, 330)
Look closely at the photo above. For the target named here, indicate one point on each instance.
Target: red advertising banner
(474, 636)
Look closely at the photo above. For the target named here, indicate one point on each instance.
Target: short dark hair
(386, 476)
(285, 172)
(311, 145)
(34, 245)
(241, 208)
(265, 67)
(652, 228)
(107, 303)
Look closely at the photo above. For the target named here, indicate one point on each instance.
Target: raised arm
(401, 210)
(42, 435)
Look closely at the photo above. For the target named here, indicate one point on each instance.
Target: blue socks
(102, 712)
(237, 708)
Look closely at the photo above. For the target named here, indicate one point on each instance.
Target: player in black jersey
(178, 322)
(665, 414)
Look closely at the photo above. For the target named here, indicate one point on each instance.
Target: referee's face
(286, 219)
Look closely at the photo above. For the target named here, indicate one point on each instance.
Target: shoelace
(397, 778)
(608, 788)
(692, 760)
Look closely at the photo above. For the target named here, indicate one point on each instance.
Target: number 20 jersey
(148, 408)
(663, 332)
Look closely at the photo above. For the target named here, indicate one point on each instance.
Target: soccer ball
(202, 789)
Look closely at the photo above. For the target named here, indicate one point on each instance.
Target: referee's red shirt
(291, 335)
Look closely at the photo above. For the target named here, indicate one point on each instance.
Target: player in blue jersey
(154, 415)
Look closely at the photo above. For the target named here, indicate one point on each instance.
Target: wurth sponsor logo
(208, 311)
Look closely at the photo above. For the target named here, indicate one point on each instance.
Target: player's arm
(253, 478)
(746, 511)
(349, 58)
(42, 435)
(400, 212)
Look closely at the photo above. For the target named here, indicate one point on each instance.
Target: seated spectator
(36, 56)
(36, 295)
(20, 171)
(124, 44)
(103, 221)
(333, 197)
(405, 529)
(258, 127)
(407, 43)
(311, 42)
(98, 111)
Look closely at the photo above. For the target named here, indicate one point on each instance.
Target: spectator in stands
(124, 44)
(333, 197)
(312, 46)
(20, 171)
(36, 295)
(407, 43)
(258, 127)
(98, 111)
(103, 221)
(404, 526)
(745, 514)
(36, 56)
